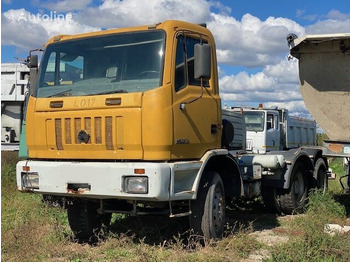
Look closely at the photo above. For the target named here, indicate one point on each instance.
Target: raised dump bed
(324, 72)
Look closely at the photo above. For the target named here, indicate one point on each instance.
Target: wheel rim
(218, 210)
(299, 187)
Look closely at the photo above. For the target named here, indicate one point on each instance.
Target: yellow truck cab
(116, 94)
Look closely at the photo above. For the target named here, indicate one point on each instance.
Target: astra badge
(83, 136)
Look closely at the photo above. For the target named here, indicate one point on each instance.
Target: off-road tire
(320, 174)
(84, 220)
(208, 210)
(271, 200)
(294, 200)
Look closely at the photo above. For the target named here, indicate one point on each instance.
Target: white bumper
(102, 180)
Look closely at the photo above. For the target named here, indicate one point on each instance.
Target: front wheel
(208, 210)
(84, 220)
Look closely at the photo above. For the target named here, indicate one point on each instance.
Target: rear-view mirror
(202, 61)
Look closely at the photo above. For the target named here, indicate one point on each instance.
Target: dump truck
(275, 129)
(130, 121)
(324, 73)
(14, 88)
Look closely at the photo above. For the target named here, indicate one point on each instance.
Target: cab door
(272, 131)
(196, 108)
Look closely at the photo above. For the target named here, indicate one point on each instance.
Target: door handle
(214, 129)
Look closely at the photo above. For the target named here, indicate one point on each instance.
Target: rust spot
(337, 148)
(25, 190)
(79, 191)
(78, 188)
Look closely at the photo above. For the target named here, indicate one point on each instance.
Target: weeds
(313, 244)
(34, 231)
(325, 206)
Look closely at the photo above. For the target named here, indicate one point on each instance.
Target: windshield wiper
(108, 92)
(252, 128)
(62, 93)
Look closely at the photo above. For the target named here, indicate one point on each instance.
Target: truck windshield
(254, 120)
(119, 63)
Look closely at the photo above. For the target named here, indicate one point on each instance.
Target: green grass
(310, 243)
(33, 231)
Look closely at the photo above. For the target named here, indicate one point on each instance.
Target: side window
(49, 77)
(272, 121)
(190, 42)
(184, 69)
(180, 69)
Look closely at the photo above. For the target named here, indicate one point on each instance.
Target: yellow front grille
(77, 128)
(67, 124)
(109, 134)
(88, 127)
(98, 133)
(58, 130)
(99, 130)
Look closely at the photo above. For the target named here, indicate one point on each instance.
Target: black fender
(228, 168)
(315, 154)
(292, 157)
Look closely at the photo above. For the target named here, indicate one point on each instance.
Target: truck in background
(14, 81)
(324, 73)
(274, 129)
(130, 121)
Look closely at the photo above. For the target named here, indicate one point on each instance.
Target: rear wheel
(295, 199)
(84, 220)
(320, 174)
(271, 200)
(208, 210)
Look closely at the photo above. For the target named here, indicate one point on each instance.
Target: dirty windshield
(254, 120)
(120, 63)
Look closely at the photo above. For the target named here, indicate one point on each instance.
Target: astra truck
(324, 73)
(275, 129)
(130, 121)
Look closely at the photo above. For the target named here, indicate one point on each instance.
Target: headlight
(30, 180)
(136, 185)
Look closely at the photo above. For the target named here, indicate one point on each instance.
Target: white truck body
(274, 129)
(14, 79)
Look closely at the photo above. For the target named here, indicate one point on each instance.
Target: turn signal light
(139, 171)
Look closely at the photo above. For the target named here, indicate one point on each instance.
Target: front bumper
(107, 180)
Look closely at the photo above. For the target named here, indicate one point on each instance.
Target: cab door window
(184, 68)
(272, 121)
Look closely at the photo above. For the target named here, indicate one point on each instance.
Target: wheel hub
(218, 205)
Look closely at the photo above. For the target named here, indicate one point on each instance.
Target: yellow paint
(144, 126)
(62, 83)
